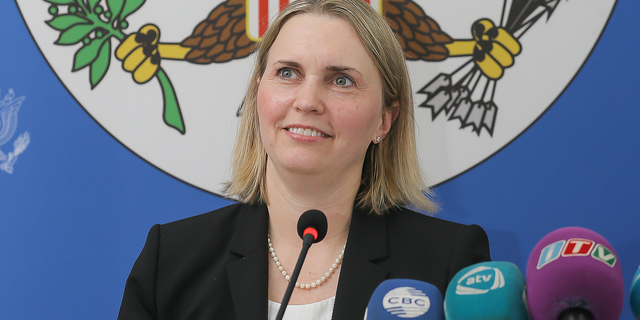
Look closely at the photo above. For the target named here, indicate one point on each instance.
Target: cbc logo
(406, 302)
(480, 280)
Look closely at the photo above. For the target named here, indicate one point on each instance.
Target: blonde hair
(391, 174)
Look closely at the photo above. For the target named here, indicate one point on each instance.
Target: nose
(310, 96)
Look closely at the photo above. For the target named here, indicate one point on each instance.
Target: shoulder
(224, 216)
(421, 227)
(213, 230)
(434, 245)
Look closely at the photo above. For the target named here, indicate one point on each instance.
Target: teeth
(307, 132)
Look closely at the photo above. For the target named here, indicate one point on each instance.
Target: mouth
(307, 132)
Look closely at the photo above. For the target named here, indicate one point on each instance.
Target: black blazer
(215, 265)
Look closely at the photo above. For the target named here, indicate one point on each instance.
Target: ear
(389, 116)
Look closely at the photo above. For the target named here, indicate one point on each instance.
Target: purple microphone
(574, 273)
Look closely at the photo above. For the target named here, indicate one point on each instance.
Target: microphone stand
(307, 241)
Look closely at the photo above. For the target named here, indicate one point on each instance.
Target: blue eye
(287, 73)
(343, 81)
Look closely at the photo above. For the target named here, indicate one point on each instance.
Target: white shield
(553, 50)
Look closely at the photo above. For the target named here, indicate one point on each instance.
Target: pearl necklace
(311, 285)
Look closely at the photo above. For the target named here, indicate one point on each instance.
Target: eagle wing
(418, 34)
(221, 37)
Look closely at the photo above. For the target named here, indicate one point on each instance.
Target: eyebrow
(289, 63)
(343, 68)
(294, 64)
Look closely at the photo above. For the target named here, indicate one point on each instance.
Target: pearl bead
(312, 285)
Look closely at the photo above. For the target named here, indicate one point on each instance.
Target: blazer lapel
(360, 275)
(248, 276)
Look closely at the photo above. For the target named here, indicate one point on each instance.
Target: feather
(221, 37)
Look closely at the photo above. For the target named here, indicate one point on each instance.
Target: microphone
(635, 294)
(487, 290)
(405, 298)
(312, 228)
(312, 222)
(574, 273)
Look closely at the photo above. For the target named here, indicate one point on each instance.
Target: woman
(327, 125)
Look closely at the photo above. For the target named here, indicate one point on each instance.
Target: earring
(378, 139)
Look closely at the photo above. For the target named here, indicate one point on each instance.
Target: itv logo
(576, 247)
(550, 253)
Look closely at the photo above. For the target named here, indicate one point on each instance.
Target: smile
(307, 132)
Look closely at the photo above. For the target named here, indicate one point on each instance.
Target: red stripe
(263, 13)
(283, 3)
(367, 1)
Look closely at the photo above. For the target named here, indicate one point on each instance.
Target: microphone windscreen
(405, 298)
(486, 290)
(313, 219)
(635, 294)
(574, 268)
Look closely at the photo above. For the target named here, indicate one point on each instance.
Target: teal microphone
(487, 291)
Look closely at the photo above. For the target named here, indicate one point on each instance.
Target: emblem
(166, 78)
(9, 107)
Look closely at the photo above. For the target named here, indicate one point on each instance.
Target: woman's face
(320, 98)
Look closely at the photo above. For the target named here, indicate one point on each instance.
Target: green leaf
(63, 22)
(100, 65)
(75, 34)
(172, 114)
(87, 54)
(130, 6)
(115, 6)
(92, 4)
(61, 2)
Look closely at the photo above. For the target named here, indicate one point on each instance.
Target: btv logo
(480, 280)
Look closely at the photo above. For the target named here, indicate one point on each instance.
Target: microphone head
(314, 219)
(405, 298)
(486, 290)
(635, 294)
(574, 268)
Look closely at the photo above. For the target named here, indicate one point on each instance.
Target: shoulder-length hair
(391, 175)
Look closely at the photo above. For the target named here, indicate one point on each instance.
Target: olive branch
(87, 21)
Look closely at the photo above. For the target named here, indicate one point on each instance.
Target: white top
(321, 310)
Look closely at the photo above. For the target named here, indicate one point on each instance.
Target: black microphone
(312, 228)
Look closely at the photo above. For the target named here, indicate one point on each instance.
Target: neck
(289, 195)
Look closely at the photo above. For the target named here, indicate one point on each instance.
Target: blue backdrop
(75, 212)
